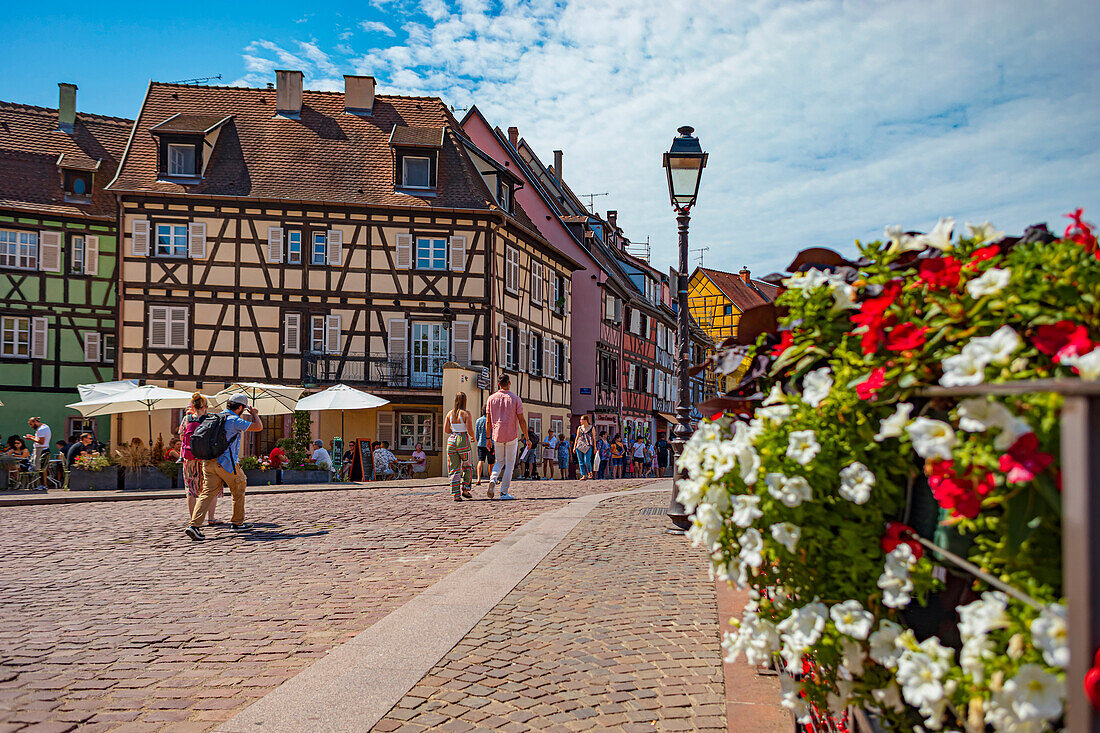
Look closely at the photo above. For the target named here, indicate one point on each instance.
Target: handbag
(596, 462)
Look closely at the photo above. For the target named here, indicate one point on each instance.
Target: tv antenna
(198, 80)
(701, 250)
(591, 199)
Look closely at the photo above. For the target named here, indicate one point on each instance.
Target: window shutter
(568, 297)
(522, 366)
(158, 325)
(458, 254)
(332, 333)
(385, 426)
(91, 255)
(177, 331)
(502, 346)
(139, 237)
(91, 346)
(196, 239)
(39, 337)
(461, 336)
(275, 244)
(548, 358)
(404, 256)
(631, 376)
(49, 251)
(292, 333)
(398, 351)
(546, 293)
(336, 247)
(565, 361)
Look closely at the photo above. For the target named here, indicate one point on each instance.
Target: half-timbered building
(57, 260)
(301, 237)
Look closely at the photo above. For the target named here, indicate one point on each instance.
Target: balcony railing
(378, 371)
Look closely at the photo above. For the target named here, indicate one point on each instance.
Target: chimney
(358, 95)
(557, 165)
(66, 107)
(513, 137)
(744, 274)
(612, 217)
(288, 94)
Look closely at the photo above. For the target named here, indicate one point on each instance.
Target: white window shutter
(91, 255)
(548, 358)
(335, 247)
(39, 337)
(403, 259)
(275, 244)
(502, 346)
(461, 337)
(333, 339)
(139, 237)
(196, 239)
(177, 332)
(458, 254)
(292, 333)
(522, 366)
(385, 427)
(565, 361)
(158, 325)
(568, 300)
(631, 377)
(91, 346)
(49, 251)
(398, 350)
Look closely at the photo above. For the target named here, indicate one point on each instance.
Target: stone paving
(617, 628)
(111, 620)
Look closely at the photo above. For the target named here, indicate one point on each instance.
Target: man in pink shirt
(507, 428)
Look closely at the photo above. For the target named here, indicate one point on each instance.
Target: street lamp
(684, 163)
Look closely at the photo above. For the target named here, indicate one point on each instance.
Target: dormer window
(77, 170)
(185, 144)
(416, 158)
(416, 172)
(181, 159)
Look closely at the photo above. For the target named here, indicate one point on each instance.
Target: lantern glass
(684, 163)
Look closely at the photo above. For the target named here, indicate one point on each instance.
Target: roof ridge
(53, 110)
(271, 89)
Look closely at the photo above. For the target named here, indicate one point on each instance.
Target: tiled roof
(421, 137)
(31, 145)
(189, 123)
(327, 155)
(743, 295)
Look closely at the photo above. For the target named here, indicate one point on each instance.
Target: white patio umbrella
(102, 389)
(268, 399)
(340, 397)
(135, 399)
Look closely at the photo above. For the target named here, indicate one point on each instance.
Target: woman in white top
(549, 454)
(459, 427)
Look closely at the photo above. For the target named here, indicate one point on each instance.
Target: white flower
(746, 510)
(844, 296)
(991, 282)
(940, 236)
(1087, 365)
(792, 699)
(776, 414)
(800, 631)
(894, 581)
(1048, 634)
(888, 698)
(748, 461)
(966, 368)
(899, 240)
(852, 655)
(856, 482)
(775, 396)
(816, 386)
(787, 534)
(972, 658)
(752, 548)
(919, 676)
(884, 650)
(978, 618)
(790, 491)
(706, 525)
(850, 618)
(1034, 694)
(978, 414)
(755, 637)
(894, 426)
(932, 438)
(802, 446)
(983, 233)
(838, 701)
(999, 345)
(807, 281)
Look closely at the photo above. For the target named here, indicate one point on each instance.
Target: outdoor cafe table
(404, 469)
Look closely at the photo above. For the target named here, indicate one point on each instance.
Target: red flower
(872, 314)
(1024, 461)
(893, 537)
(1064, 338)
(1081, 231)
(940, 272)
(905, 336)
(959, 494)
(868, 388)
(786, 340)
(982, 254)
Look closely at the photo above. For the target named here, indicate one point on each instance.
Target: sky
(825, 120)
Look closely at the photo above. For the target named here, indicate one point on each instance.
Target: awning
(670, 418)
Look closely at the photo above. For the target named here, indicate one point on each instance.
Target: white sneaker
(491, 492)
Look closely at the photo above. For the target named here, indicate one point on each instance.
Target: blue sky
(825, 119)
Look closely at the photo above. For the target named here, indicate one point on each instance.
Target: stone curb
(357, 683)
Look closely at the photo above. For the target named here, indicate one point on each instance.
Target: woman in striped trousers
(459, 426)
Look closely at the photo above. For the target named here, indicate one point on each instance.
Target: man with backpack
(217, 441)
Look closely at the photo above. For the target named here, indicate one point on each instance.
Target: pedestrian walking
(531, 456)
(217, 441)
(651, 459)
(192, 467)
(563, 455)
(617, 457)
(583, 447)
(639, 458)
(504, 414)
(459, 426)
(603, 448)
(549, 453)
(486, 457)
(39, 443)
(663, 451)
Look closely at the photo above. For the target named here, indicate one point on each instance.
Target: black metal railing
(378, 371)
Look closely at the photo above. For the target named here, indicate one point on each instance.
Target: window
(431, 348)
(15, 337)
(506, 197)
(728, 310)
(559, 292)
(416, 172)
(317, 334)
(511, 336)
(556, 425)
(108, 348)
(534, 350)
(559, 360)
(318, 255)
(511, 269)
(171, 240)
(181, 160)
(168, 326)
(76, 426)
(78, 255)
(609, 308)
(413, 428)
(294, 248)
(77, 184)
(18, 249)
(534, 424)
(536, 283)
(431, 254)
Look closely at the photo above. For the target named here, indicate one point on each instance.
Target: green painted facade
(74, 305)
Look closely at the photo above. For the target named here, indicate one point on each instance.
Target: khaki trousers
(214, 477)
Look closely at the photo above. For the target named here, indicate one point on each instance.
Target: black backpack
(208, 441)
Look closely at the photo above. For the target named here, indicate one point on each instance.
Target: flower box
(260, 477)
(290, 476)
(145, 477)
(105, 480)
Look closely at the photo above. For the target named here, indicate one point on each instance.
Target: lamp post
(684, 163)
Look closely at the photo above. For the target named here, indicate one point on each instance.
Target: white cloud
(825, 120)
(375, 26)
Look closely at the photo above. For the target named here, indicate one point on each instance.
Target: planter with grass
(258, 473)
(93, 473)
